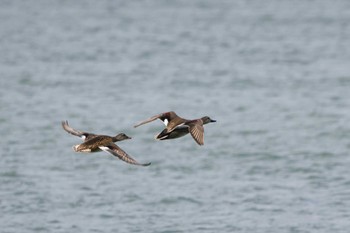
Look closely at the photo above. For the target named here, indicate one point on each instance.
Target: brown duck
(177, 127)
(94, 143)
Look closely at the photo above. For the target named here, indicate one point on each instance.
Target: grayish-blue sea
(274, 74)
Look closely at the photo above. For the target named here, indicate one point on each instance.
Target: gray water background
(274, 74)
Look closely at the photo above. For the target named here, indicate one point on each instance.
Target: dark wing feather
(118, 152)
(197, 132)
(162, 116)
(148, 120)
(75, 132)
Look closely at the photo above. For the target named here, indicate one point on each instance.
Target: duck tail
(162, 135)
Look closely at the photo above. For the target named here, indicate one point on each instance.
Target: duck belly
(176, 133)
(79, 148)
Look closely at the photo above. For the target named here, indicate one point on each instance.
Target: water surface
(275, 76)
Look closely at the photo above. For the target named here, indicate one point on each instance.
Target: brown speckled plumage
(95, 143)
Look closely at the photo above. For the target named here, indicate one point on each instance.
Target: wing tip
(139, 123)
(145, 164)
(199, 143)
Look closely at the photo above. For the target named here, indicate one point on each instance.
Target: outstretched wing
(148, 120)
(165, 117)
(115, 150)
(197, 131)
(82, 135)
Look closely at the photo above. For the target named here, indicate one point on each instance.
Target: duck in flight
(177, 127)
(94, 143)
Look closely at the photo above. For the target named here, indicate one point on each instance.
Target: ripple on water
(179, 200)
(10, 174)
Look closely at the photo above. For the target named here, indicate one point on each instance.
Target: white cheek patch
(166, 122)
(83, 137)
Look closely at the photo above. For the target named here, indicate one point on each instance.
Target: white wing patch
(104, 148)
(166, 122)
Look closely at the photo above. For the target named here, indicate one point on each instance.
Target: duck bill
(211, 120)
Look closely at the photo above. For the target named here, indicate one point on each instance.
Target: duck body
(178, 127)
(95, 143)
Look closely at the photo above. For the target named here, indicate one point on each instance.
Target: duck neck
(204, 120)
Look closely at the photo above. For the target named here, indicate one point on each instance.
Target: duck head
(207, 120)
(121, 137)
